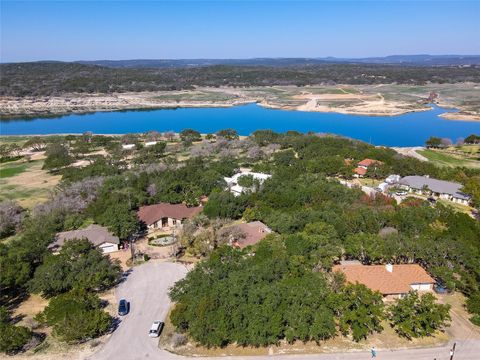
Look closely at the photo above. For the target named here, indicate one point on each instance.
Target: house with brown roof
(98, 235)
(392, 281)
(166, 216)
(362, 166)
(252, 233)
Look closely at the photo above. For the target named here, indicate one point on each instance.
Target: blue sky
(88, 30)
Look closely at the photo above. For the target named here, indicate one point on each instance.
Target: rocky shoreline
(352, 104)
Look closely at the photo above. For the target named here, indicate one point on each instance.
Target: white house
(128, 146)
(392, 179)
(150, 143)
(232, 182)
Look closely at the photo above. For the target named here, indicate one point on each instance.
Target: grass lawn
(457, 207)
(442, 159)
(10, 170)
(26, 183)
(369, 182)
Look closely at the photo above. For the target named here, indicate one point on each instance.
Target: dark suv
(123, 307)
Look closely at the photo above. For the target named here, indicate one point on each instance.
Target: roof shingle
(152, 213)
(377, 278)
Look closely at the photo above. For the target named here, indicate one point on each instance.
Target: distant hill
(55, 78)
(418, 60)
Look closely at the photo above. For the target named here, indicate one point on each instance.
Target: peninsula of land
(370, 100)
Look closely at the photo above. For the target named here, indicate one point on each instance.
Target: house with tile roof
(362, 166)
(392, 281)
(165, 216)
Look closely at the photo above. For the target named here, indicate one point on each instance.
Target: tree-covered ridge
(55, 78)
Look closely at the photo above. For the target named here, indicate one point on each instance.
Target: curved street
(146, 287)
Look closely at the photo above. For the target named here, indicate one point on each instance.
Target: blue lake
(404, 130)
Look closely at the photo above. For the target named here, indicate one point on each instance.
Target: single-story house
(165, 216)
(392, 281)
(392, 179)
(232, 182)
(150, 143)
(363, 166)
(128, 146)
(98, 235)
(437, 188)
(254, 232)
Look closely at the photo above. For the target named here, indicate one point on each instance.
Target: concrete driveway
(146, 288)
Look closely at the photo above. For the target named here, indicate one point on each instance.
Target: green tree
(189, 135)
(472, 139)
(473, 306)
(76, 316)
(57, 156)
(418, 316)
(229, 134)
(225, 205)
(120, 220)
(79, 265)
(433, 142)
(361, 311)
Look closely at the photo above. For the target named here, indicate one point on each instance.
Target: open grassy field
(444, 158)
(26, 182)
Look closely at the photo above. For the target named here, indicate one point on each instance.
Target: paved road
(146, 287)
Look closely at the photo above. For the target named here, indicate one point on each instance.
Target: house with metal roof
(436, 188)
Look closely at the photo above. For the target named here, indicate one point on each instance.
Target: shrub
(76, 316)
(12, 338)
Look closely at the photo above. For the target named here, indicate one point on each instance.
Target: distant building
(128, 146)
(392, 281)
(150, 143)
(232, 182)
(436, 188)
(364, 165)
(166, 216)
(98, 235)
(254, 232)
(392, 179)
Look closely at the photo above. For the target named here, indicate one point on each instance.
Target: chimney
(389, 267)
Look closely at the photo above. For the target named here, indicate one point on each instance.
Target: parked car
(431, 200)
(401, 193)
(123, 307)
(156, 329)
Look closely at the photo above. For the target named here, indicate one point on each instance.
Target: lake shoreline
(349, 102)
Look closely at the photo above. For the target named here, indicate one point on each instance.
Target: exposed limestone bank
(81, 104)
(461, 116)
(345, 100)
